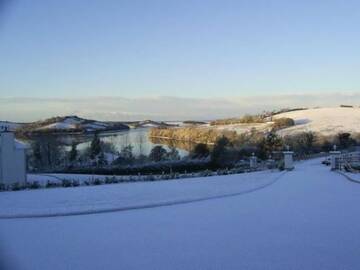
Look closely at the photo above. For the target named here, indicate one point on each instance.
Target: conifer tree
(95, 147)
(73, 153)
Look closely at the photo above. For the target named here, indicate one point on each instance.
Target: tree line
(48, 154)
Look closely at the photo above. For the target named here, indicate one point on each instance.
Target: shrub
(16, 187)
(110, 180)
(34, 185)
(66, 183)
(97, 182)
(219, 151)
(75, 183)
(345, 140)
(284, 122)
(200, 151)
(281, 165)
(247, 119)
(50, 184)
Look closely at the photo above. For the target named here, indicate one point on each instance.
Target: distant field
(327, 121)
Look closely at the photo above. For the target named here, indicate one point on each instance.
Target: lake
(138, 138)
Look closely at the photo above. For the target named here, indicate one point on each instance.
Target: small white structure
(253, 161)
(334, 155)
(288, 160)
(12, 160)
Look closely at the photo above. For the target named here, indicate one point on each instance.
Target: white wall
(12, 160)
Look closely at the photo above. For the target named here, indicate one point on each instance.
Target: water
(137, 138)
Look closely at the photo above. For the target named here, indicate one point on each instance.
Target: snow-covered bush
(34, 185)
(97, 182)
(66, 183)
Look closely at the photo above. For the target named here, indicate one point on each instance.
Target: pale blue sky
(178, 48)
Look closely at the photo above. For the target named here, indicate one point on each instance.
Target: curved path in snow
(129, 196)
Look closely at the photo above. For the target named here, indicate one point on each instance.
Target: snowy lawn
(353, 176)
(308, 219)
(81, 200)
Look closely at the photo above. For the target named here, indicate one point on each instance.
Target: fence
(349, 162)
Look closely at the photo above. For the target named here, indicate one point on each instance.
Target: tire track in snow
(138, 207)
(347, 177)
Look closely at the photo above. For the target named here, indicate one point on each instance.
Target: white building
(12, 160)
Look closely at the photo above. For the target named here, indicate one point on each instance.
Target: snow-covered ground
(352, 176)
(59, 125)
(308, 219)
(105, 198)
(328, 121)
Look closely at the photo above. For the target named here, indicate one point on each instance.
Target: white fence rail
(349, 162)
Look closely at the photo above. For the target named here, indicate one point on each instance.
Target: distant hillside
(148, 124)
(69, 124)
(327, 121)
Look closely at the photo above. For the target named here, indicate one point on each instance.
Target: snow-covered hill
(327, 121)
(149, 124)
(71, 124)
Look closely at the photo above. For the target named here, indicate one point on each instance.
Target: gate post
(253, 161)
(288, 160)
(334, 155)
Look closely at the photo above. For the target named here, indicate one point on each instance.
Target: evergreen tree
(345, 140)
(200, 151)
(158, 153)
(48, 153)
(271, 142)
(219, 151)
(102, 159)
(73, 154)
(37, 157)
(95, 147)
(305, 142)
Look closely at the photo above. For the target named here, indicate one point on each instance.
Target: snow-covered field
(59, 125)
(308, 219)
(328, 121)
(69, 201)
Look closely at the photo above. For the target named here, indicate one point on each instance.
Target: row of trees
(227, 153)
(48, 154)
(247, 119)
(210, 135)
(192, 134)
